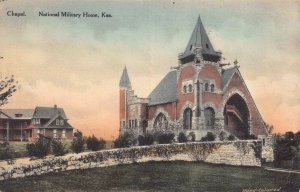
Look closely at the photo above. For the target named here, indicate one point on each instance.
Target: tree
(95, 144)
(269, 127)
(40, 148)
(8, 86)
(146, 139)
(182, 138)
(125, 140)
(58, 148)
(78, 142)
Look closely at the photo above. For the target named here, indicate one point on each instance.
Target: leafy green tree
(58, 147)
(182, 138)
(78, 142)
(146, 139)
(40, 148)
(95, 144)
(125, 140)
(8, 86)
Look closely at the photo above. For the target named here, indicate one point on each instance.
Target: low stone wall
(242, 153)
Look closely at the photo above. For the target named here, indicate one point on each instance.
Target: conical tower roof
(199, 39)
(124, 81)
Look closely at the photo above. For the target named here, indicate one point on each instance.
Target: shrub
(252, 136)
(7, 152)
(165, 138)
(192, 136)
(222, 136)
(146, 139)
(95, 144)
(209, 137)
(58, 148)
(78, 142)
(40, 148)
(182, 138)
(231, 137)
(125, 140)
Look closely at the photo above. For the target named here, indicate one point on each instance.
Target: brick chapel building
(200, 95)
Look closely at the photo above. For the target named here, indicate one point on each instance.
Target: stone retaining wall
(240, 153)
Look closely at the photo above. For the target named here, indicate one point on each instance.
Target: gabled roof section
(226, 75)
(58, 116)
(124, 81)
(48, 112)
(199, 38)
(18, 113)
(165, 91)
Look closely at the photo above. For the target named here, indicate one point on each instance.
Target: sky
(76, 63)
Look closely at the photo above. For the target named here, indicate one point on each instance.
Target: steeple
(199, 43)
(124, 81)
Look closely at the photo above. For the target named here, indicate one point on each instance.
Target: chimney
(55, 106)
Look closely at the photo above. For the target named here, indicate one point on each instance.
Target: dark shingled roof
(165, 91)
(124, 81)
(199, 38)
(22, 113)
(226, 75)
(48, 112)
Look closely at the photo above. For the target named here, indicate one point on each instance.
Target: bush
(58, 148)
(95, 144)
(7, 152)
(252, 136)
(165, 138)
(209, 137)
(125, 140)
(40, 148)
(222, 136)
(231, 137)
(78, 142)
(146, 139)
(192, 136)
(182, 138)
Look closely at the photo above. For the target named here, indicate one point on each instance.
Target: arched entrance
(236, 116)
(187, 118)
(161, 122)
(209, 115)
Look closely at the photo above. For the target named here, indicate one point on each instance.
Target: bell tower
(199, 47)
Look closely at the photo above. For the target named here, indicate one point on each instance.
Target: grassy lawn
(158, 176)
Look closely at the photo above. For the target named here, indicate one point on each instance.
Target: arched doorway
(187, 118)
(161, 122)
(236, 116)
(209, 115)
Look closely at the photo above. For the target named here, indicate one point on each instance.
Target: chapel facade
(200, 95)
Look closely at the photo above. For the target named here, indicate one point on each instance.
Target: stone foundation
(241, 153)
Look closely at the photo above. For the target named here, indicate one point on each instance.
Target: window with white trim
(54, 133)
(57, 121)
(63, 135)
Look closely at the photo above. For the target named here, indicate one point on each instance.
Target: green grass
(158, 176)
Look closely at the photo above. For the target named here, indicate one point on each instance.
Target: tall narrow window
(190, 88)
(206, 87)
(187, 118)
(212, 87)
(63, 135)
(54, 133)
(184, 89)
(209, 115)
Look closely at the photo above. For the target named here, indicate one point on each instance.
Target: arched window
(184, 89)
(209, 115)
(190, 88)
(187, 118)
(206, 87)
(212, 87)
(160, 122)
